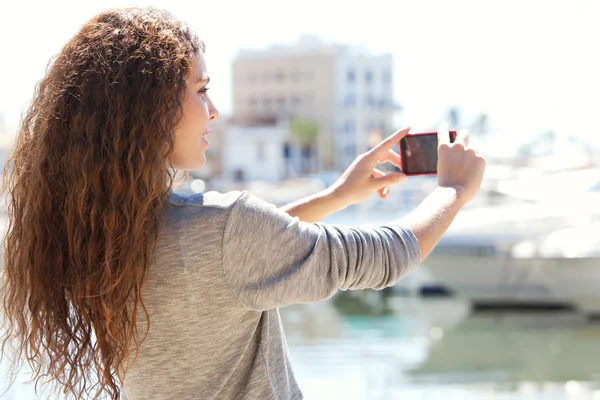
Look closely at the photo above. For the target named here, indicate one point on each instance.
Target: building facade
(346, 91)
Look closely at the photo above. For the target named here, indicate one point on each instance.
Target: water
(439, 349)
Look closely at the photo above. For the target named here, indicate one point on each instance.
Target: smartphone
(419, 153)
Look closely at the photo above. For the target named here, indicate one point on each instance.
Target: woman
(114, 284)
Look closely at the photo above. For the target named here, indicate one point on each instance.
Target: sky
(530, 65)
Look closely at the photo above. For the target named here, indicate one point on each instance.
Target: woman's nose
(213, 112)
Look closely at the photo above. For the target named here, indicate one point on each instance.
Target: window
(280, 102)
(260, 151)
(279, 76)
(351, 76)
(369, 76)
(296, 101)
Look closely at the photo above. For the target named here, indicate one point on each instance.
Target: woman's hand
(459, 166)
(362, 178)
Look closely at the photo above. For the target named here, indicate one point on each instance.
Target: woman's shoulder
(207, 199)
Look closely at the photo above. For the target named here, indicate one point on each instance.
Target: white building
(346, 91)
(257, 153)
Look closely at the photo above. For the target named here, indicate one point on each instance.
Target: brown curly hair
(86, 185)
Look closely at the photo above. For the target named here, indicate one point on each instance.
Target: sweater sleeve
(271, 259)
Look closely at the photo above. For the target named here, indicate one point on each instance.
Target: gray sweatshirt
(222, 268)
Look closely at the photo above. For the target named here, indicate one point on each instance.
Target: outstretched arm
(460, 173)
(357, 183)
(316, 207)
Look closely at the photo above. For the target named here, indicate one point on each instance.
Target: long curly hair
(85, 188)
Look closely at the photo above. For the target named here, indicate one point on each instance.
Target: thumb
(381, 180)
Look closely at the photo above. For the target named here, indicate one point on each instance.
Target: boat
(571, 263)
(493, 255)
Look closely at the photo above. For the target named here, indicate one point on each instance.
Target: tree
(304, 134)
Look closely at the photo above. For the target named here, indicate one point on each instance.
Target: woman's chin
(191, 165)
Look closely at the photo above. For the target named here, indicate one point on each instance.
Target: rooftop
(304, 45)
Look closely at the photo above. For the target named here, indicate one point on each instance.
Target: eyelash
(203, 90)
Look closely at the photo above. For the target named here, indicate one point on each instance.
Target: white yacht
(571, 263)
(542, 252)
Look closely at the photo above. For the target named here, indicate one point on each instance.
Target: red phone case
(452, 140)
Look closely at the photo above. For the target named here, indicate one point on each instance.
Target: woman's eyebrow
(204, 78)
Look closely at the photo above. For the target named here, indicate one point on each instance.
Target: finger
(392, 157)
(463, 137)
(381, 179)
(377, 173)
(380, 191)
(386, 144)
(383, 192)
(443, 134)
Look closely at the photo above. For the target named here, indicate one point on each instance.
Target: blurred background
(507, 305)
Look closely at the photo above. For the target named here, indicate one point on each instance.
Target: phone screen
(419, 154)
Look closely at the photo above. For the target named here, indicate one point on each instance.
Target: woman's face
(198, 110)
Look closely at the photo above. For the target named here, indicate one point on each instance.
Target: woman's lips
(204, 137)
